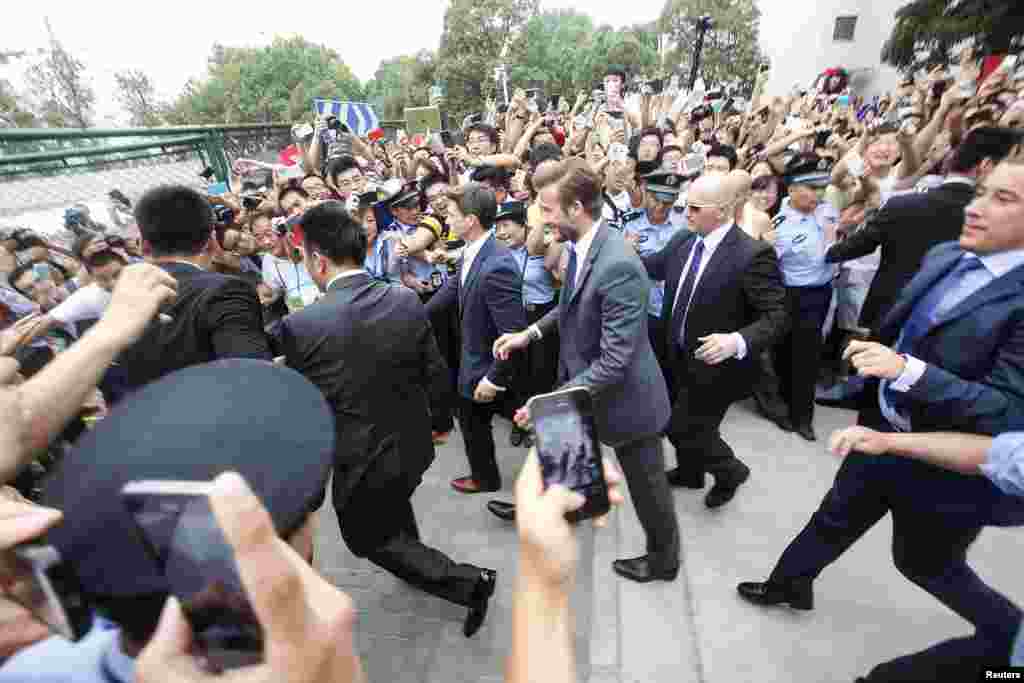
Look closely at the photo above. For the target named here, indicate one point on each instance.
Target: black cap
(369, 198)
(512, 210)
(664, 181)
(409, 191)
(267, 423)
(495, 174)
(808, 169)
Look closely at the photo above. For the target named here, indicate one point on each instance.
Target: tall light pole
(703, 26)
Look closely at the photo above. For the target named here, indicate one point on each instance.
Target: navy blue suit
(974, 382)
(490, 304)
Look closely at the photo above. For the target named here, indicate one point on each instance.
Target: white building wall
(797, 36)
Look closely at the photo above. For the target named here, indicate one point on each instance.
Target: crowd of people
(673, 253)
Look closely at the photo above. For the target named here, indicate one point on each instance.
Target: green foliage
(731, 48)
(273, 83)
(138, 97)
(566, 53)
(12, 113)
(59, 82)
(475, 35)
(401, 82)
(927, 32)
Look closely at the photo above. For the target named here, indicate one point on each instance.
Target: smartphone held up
(568, 449)
(178, 527)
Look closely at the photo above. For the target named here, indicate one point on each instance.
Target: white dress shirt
(711, 242)
(582, 247)
(469, 255)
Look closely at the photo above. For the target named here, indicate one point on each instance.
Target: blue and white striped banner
(359, 116)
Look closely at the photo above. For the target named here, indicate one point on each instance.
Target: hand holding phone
(178, 527)
(568, 449)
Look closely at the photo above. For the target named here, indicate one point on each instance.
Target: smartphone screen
(568, 448)
(35, 578)
(184, 538)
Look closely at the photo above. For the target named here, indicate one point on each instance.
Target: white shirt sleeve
(912, 372)
(271, 276)
(85, 304)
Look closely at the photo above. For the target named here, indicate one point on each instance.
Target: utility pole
(703, 26)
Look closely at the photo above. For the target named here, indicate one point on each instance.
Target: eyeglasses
(481, 139)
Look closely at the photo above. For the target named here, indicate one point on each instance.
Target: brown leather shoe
(471, 485)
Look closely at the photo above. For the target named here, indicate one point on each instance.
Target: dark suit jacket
(602, 328)
(906, 227)
(975, 355)
(370, 349)
(741, 290)
(490, 304)
(214, 316)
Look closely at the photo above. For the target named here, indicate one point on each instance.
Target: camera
(222, 215)
(251, 201)
(334, 124)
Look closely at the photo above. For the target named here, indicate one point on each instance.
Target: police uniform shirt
(652, 239)
(538, 282)
(419, 268)
(615, 213)
(801, 245)
(96, 658)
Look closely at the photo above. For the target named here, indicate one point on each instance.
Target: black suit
(370, 349)
(490, 304)
(740, 290)
(906, 227)
(214, 316)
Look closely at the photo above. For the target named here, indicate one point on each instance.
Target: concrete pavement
(694, 629)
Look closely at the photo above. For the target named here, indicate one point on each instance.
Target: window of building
(845, 28)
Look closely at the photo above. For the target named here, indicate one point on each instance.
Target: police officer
(649, 232)
(538, 295)
(802, 232)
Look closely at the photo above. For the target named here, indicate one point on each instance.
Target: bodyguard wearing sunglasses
(724, 303)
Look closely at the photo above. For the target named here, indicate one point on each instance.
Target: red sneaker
(470, 485)
(440, 437)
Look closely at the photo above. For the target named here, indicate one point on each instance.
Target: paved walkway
(694, 629)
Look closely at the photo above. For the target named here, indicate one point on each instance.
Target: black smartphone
(36, 578)
(446, 138)
(568, 449)
(179, 529)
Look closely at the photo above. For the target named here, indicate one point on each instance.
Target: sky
(171, 41)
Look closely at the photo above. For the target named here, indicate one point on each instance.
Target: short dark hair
(297, 189)
(431, 179)
(576, 181)
(174, 219)
(330, 230)
(339, 165)
(725, 151)
(989, 142)
(546, 151)
(490, 131)
(475, 199)
(495, 175)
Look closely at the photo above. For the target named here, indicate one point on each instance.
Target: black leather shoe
(639, 569)
(797, 594)
(807, 432)
(785, 424)
(481, 598)
(676, 477)
(725, 488)
(502, 510)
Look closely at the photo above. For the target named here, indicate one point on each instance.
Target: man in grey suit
(601, 321)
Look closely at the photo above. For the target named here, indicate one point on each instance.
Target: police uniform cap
(666, 182)
(512, 210)
(808, 169)
(403, 196)
(266, 422)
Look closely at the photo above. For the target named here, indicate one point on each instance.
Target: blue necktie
(925, 315)
(686, 289)
(570, 275)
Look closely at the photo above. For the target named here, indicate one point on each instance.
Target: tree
(554, 48)
(927, 32)
(12, 113)
(60, 84)
(400, 82)
(138, 97)
(731, 49)
(272, 83)
(476, 35)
